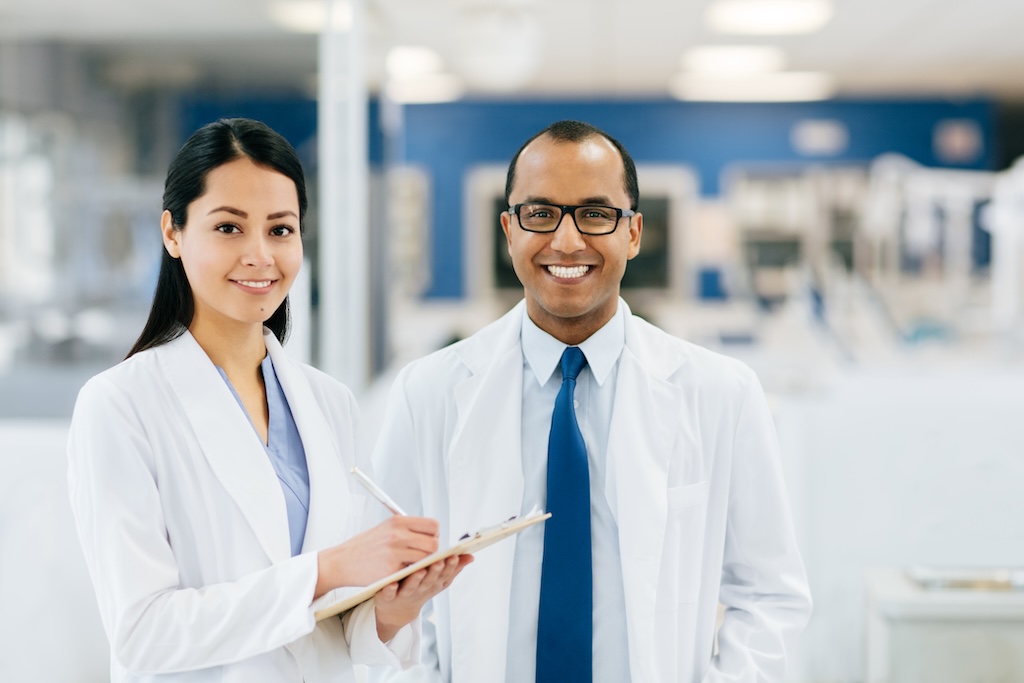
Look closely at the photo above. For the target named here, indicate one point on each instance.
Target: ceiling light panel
(733, 60)
(767, 17)
(407, 61)
(310, 16)
(790, 86)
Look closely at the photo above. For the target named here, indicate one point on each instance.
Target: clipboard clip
(502, 525)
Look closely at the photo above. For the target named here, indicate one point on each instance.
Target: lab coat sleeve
(365, 646)
(153, 624)
(764, 587)
(398, 468)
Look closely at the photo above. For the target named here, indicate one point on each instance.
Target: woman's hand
(370, 556)
(399, 603)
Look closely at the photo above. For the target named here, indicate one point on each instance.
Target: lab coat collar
(226, 437)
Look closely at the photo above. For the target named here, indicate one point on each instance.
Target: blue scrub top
(286, 452)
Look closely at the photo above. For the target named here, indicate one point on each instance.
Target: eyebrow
(243, 214)
(589, 201)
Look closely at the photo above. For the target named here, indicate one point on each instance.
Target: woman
(208, 472)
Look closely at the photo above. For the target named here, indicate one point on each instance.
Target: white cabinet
(919, 635)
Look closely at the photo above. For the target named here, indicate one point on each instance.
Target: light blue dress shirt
(594, 397)
(287, 455)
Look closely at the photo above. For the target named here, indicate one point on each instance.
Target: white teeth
(256, 284)
(568, 272)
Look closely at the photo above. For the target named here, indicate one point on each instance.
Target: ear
(170, 235)
(636, 228)
(506, 227)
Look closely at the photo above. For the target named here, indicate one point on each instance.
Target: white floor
(49, 623)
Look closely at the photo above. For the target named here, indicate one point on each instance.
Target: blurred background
(831, 192)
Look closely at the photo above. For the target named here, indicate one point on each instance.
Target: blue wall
(293, 117)
(449, 139)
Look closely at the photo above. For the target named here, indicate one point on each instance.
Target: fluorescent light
(788, 86)
(310, 16)
(415, 76)
(767, 17)
(408, 61)
(733, 60)
(426, 88)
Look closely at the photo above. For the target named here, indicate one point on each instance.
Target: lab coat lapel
(229, 442)
(329, 496)
(486, 486)
(640, 441)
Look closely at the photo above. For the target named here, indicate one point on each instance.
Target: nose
(566, 238)
(258, 253)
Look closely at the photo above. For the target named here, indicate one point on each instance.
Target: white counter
(918, 635)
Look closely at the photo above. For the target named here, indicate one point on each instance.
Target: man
(667, 448)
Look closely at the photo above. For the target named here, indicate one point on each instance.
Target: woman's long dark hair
(213, 145)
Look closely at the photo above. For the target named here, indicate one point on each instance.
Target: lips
(255, 284)
(568, 272)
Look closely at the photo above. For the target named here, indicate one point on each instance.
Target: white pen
(377, 492)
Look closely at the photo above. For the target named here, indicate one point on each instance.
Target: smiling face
(240, 246)
(571, 280)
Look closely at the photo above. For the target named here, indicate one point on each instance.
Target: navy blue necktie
(564, 626)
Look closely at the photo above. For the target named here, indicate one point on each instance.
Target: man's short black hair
(578, 131)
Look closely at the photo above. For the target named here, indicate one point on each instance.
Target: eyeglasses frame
(571, 210)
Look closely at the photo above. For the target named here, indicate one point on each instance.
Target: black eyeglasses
(589, 219)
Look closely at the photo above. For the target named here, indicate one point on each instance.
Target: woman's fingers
(430, 581)
(388, 593)
(415, 537)
(461, 562)
(410, 585)
(399, 603)
(448, 571)
(454, 568)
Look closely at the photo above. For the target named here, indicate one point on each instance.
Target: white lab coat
(183, 524)
(693, 481)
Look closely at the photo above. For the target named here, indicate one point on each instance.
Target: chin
(569, 312)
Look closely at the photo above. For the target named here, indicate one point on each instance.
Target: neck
(237, 349)
(571, 331)
(569, 335)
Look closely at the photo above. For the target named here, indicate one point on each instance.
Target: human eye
(282, 230)
(538, 211)
(227, 228)
(597, 213)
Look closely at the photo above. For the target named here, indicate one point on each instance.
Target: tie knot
(573, 361)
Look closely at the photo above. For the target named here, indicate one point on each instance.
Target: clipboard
(342, 599)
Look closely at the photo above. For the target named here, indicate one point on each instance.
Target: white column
(1005, 221)
(343, 225)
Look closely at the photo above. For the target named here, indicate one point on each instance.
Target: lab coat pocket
(683, 547)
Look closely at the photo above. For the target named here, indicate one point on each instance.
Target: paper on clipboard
(342, 599)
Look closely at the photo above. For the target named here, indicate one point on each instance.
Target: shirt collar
(602, 349)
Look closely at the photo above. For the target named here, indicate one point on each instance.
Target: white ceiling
(578, 47)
